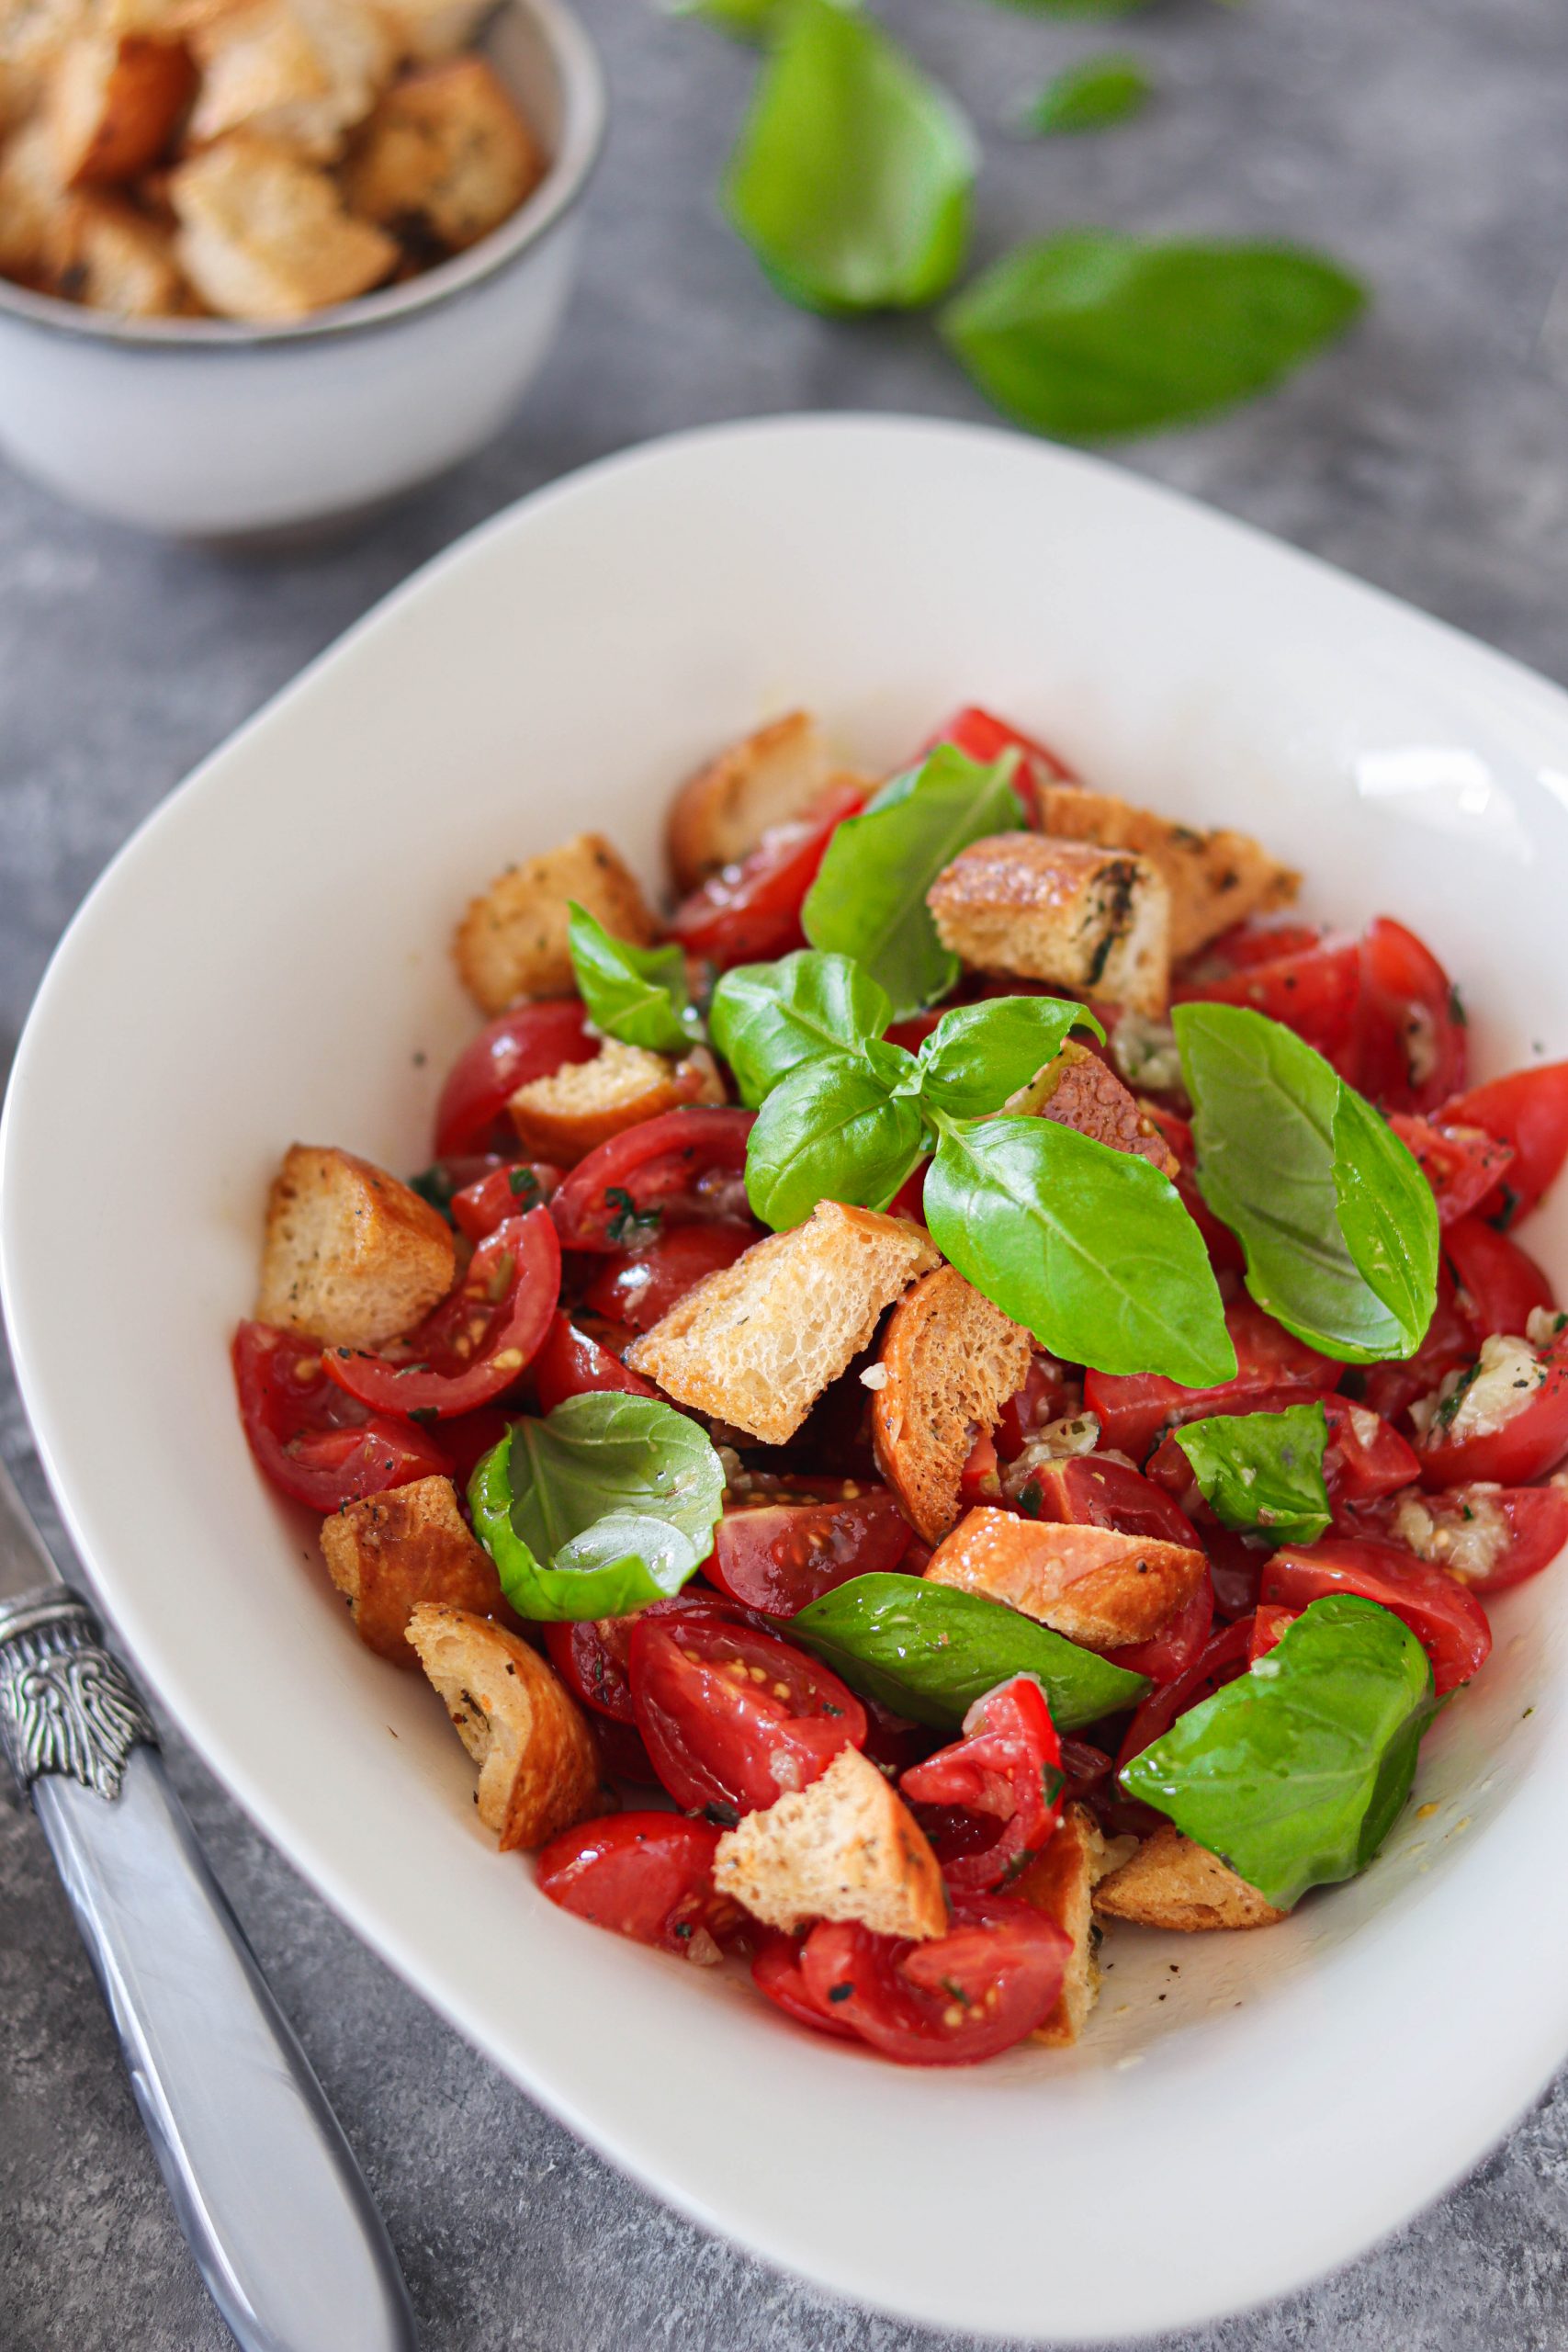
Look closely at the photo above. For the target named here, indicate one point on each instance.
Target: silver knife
(265, 2187)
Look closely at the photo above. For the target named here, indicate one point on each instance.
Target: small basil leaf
(766, 1019)
(869, 898)
(1294, 1774)
(853, 178)
(1090, 1247)
(1278, 1153)
(1093, 96)
(979, 1053)
(929, 1651)
(834, 1131)
(1092, 333)
(1263, 1471)
(637, 994)
(608, 1503)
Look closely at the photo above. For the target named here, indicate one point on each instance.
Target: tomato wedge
(778, 1555)
(1528, 1111)
(1409, 1050)
(733, 1718)
(1133, 1408)
(750, 912)
(647, 1875)
(952, 2002)
(992, 1801)
(983, 737)
(1178, 1645)
(530, 1040)
(1499, 1286)
(589, 1652)
(776, 1972)
(1091, 1490)
(1450, 1625)
(477, 1343)
(1525, 1447)
(1493, 1537)
(639, 1288)
(573, 1363)
(1313, 989)
(1268, 1626)
(1463, 1164)
(502, 1192)
(683, 1166)
(1392, 1388)
(1221, 1658)
(318, 1447)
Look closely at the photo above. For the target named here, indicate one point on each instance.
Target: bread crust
(1060, 1883)
(301, 73)
(1171, 1881)
(846, 1847)
(538, 1766)
(112, 258)
(564, 1117)
(1094, 1585)
(443, 159)
(264, 235)
(1078, 1089)
(391, 1554)
(351, 1256)
(114, 103)
(513, 940)
(1215, 878)
(951, 1360)
(721, 812)
(1095, 920)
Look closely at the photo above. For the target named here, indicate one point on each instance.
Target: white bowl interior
(268, 960)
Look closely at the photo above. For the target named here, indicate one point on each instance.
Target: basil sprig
(929, 1651)
(1294, 1774)
(767, 1019)
(1262, 1472)
(845, 1127)
(978, 1055)
(869, 898)
(637, 994)
(1093, 96)
(1337, 1222)
(608, 1503)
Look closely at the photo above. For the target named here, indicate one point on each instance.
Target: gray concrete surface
(1422, 139)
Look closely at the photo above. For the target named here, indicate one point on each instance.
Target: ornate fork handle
(66, 1704)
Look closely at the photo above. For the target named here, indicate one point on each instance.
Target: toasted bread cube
(847, 1848)
(564, 1117)
(301, 73)
(35, 36)
(1061, 1882)
(1171, 1881)
(112, 257)
(389, 1554)
(351, 1256)
(951, 1360)
(513, 940)
(425, 30)
(1076, 1089)
(721, 813)
(1215, 878)
(756, 1344)
(34, 207)
(114, 103)
(538, 1767)
(265, 236)
(1093, 920)
(445, 158)
(1094, 1585)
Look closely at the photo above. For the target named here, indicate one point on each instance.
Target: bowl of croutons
(267, 264)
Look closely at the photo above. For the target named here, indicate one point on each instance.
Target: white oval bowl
(267, 958)
(216, 429)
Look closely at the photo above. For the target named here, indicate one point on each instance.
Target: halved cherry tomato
(500, 1192)
(1448, 1624)
(750, 912)
(1133, 1409)
(1463, 1164)
(647, 1875)
(1409, 1052)
(639, 1288)
(1178, 1645)
(1528, 1444)
(775, 1972)
(1365, 1457)
(681, 1167)
(1246, 943)
(477, 1344)
(960, 1998)
(573, 1363)
(982, 736)
(1499, 1286)
(1530, 1526)
(1046, 1395)
(996, 1791)
(1268, 1627)
(778, 1555)
(318, 1446)
(980, 1480)
(1225, 1252)
(1313, 990)
(530, 1040)
(1221, 1658)
(1528, 1109)
(1392, 1388)
(734, 1718)
(623, 1754)
(590, 1654)
(1089, 1490)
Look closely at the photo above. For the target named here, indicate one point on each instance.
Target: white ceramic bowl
(267, 959)
(212, 429)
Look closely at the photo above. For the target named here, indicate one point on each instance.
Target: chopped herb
(955, 1992)
(1510, 1208)
(1029, 1500)
(435, 1185)
(1054, 1781)
(682, 1928)
(426, 1415)
(521, 1183)
(839, 1992)
(723, 1817)
(628, 1220)
(1457, 1012)
(827, 1710)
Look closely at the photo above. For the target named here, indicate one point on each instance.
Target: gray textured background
(1421, 139)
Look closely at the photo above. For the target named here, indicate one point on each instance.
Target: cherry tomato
(1528, 1111)
(1448, 1624)
(997, 1790)
(983, 737)
(1462, 1164)
(1530, 1524)
(1235, 1570)
(683, 1166)
(1269, 1626)
(477, 1344)
(1525, 1447)
(590, 1654)
(647, 1875)
(1047, 1394)
(1409, 1052)
(750, 912)
(960, 1998)
(639, 1288)
(1391, 1388)
(980, 1480)
(573, 1363)
(1221, 1658)
(1090, 1490)
(1177, 1646)
(1365, 1457)
(775, 1972)
(1225, 1252)
(468, 1437)
(776, 1556)
(1499, 1286)
(734, 1718)
(317, 1445)
(623, 1753)
(1133, 1408)
(1313, 990)
(530, 1040)
(502, 1192)
(1246, 943)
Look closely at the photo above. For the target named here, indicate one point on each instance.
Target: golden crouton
(113, 106)
(265, 236)
(1061, 1884)
(34, 207)
(352, 1257)
(1078, 1089)
(445, 158)
(425, 30)
(721, 813)
(301, 73)
(756, 1343)
(1215, 878)
(951, 1360)
(564, 1117)
(1171, 1881)
(1092, 920)
(513, 941)
(1094, 1585)
(847, 1848)
(112, 257)
(538, 1767)
(392, 1554)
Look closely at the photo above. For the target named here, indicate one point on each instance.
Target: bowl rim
(584, 112)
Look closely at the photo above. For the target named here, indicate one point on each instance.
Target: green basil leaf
(1093, 96)
(1090, 1247)
(1263, 1471)
(834, 1131)
(869, 898)
(750, 20)
(608, 1503)
(853, 179)
(1294, 1774)
(1092, 333)
(979, 1053)
(637, 994)
(767, 1019)
(929, 1651)
(1338, 1225)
